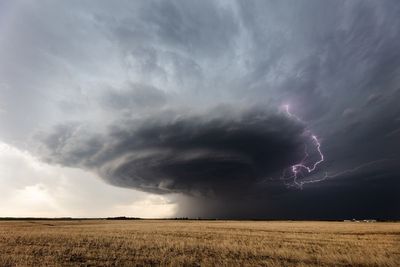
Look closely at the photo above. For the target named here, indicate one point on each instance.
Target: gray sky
(200, 108)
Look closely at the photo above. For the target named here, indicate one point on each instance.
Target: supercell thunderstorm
(261, 107)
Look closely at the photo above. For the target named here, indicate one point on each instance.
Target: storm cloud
(185, 97)
(221, 152)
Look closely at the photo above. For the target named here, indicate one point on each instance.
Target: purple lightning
(301, 169)
(298, 169)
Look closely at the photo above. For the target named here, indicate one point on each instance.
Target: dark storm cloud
(121, 67)
(221, 152)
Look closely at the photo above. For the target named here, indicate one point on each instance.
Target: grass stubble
(198, 243)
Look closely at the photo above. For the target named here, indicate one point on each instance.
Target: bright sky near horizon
(31, 188)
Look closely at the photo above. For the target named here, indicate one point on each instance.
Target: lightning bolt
(297, 173)
(301, 169)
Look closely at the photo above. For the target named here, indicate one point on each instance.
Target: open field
(195, 243)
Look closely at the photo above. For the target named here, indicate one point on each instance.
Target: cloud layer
(185, 96)
(221, 152)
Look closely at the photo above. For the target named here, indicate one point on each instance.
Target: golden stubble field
(198, 243)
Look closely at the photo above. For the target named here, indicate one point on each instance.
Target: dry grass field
(198, 243)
